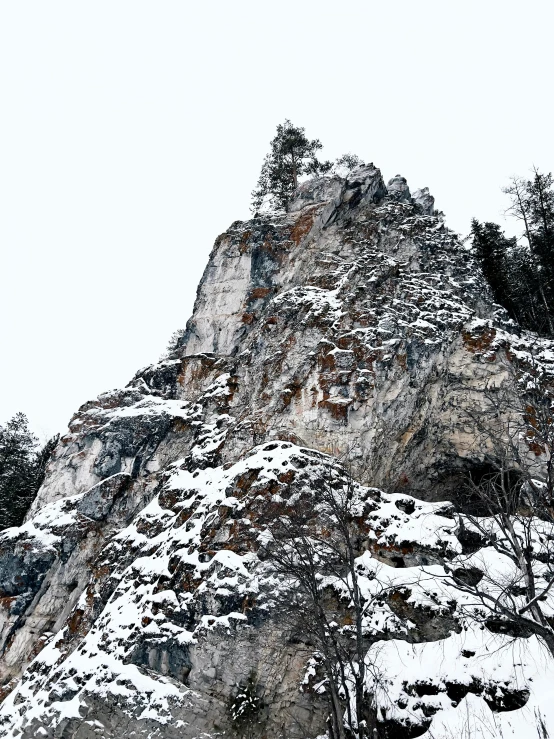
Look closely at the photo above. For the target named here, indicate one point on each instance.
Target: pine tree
(245, 708)
(522, 279)
(540, 199)
(348, 161)
(490, 247)
(17, 471)
(41, 462)
(173, 343)
(532, 203)
(511, 273)
(292, 155)
(22, 469)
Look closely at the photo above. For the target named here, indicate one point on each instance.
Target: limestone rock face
(398, 189)
(425, 200)
(136, 598)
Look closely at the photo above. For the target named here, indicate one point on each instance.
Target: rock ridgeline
(135, 599)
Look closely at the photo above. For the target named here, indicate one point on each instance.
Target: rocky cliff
(136, 599)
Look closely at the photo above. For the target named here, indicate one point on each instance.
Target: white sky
(132, 132)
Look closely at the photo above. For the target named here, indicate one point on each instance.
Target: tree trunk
(549, 641)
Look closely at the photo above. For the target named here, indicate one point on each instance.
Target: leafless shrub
(315, 545)
(509, 508)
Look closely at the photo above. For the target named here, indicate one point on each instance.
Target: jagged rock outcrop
(136, 597)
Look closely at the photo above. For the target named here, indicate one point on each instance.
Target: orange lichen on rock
(303, 226)
(74, 621)
(259, 292)
(338, 408)
(244, 241)
(6, 689)
(480, 340)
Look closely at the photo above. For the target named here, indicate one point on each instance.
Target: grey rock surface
(134, 600)
(398, 189)
(425, 201)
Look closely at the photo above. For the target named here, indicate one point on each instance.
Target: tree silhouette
(292, 155)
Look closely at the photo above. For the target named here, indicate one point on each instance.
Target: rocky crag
(136, 599)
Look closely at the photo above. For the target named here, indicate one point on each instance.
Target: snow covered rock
(136, 599)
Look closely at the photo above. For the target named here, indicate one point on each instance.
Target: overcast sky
(133, 132)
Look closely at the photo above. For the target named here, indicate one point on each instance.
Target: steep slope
(136, 598)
